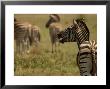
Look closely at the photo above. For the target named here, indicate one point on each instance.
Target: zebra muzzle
(61, 40)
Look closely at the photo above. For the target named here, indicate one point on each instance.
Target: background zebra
(25, 35)
(79, 33)
(54, 28)
(34, 35)
(21, 36)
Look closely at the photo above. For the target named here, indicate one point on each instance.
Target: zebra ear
(83, 19)
(74, 21)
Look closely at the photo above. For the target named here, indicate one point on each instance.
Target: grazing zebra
(54, 28)
(87, 58)
(34, 35)
(21, 36)
(79, 33)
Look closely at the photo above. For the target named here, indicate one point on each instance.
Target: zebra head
(67, 35)
(53, 18)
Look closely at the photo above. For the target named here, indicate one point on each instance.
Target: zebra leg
(25, 45)
(28, 45)
(36, 41)
(55, 46)
(94, 63)
(18, 46)
(94, 68)
(52, 47)
(22, 48)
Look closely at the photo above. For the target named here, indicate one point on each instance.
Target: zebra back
(20, 30)
(57, 26)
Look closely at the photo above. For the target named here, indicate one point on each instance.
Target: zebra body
(79, 33)
(54, 28)
(87, 58)
(25, 35)
(21, 36)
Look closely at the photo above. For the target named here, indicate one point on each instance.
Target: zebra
(26, 35)
(21, 36)
(87, 58)
(34, 35)
(78, 32)
(54, 28)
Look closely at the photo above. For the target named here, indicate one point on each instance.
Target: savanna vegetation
(40, 61)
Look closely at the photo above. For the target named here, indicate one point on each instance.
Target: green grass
(40, 61)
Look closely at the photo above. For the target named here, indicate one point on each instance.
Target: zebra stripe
(81, 31)
(87, 57)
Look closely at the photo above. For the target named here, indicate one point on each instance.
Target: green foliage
(40, 61)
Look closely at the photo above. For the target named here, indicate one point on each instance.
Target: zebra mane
(70, 27)
(82, 23)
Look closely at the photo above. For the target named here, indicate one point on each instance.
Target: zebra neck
(81, 42)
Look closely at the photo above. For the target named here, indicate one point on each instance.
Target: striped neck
(81, 33)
